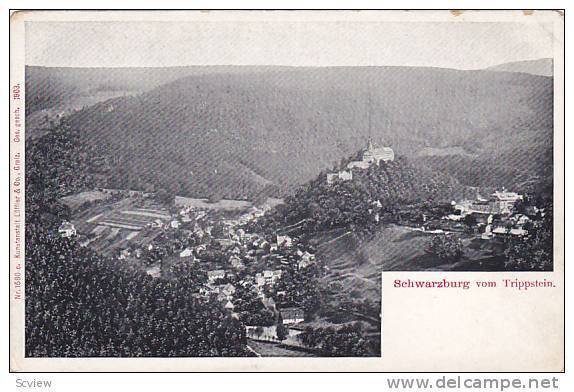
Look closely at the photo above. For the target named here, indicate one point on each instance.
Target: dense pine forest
(80, 304)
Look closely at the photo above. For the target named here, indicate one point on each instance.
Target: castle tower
(370, 144)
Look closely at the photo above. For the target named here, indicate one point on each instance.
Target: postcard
(287, 190)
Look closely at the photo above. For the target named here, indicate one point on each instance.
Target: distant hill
(59, 87)
(541, 67)
(240, 131)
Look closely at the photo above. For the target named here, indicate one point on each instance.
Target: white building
(378, 154)
(154, 272)
(504, 201)
(271, 276)
(487, 232)
(259, 280)
(188, 252)
(373, 155)
(306, 262)
(345, 175)
(284, 241)
(157, 223)
(331, 178)
(66, 230)
(292, 315)
(358, 165)
(212, 276)
(342, 175)
(236, 262)
(519, 232)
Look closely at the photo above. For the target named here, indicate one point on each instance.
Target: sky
(460, 45)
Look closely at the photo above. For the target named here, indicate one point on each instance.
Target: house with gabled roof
(292, 315)
(284, 241)
(213, 275)
(66, 230)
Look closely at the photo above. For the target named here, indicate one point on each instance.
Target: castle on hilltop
(378, 154)
(371, 155)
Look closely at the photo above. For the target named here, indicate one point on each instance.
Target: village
(500, 216)
(264, 278)
(244, 270)
(493, 217)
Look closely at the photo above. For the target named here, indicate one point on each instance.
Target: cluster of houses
(514, 226)
(242, 249)
(290, 317)
(371, 155)
(249, 259)
(500, 202)
(495, 215)
(229, 254)
(258, 260)
(225, 292)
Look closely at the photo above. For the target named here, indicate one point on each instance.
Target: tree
(534, 251)
(346, 341)
(446, 248)
(281, 329)
(470, 220)
(312, 300)
(259, 331)
(521, 205)
(164, 196)
(188, 274)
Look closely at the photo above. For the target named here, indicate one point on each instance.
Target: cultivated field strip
(146, 213)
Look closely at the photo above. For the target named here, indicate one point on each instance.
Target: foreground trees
(80, 304)
(347, 341)
(447, 248)
(534, 251)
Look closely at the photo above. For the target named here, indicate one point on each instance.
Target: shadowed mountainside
(239, 131)
(57, 87)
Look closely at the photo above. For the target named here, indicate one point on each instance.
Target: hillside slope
(541, 67)
(50, 87)
(240, 133)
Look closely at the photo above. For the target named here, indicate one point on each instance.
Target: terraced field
(76, 200)
(109, 227)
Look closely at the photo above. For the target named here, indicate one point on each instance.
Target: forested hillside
(268, 129)
(49, 87)
(81, 304)
(381, 191)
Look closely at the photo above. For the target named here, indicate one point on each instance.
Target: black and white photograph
(238, 188)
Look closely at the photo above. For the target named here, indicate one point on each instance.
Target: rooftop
(66, 226)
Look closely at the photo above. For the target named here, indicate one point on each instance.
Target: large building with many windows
(372, 155)
(378, 154)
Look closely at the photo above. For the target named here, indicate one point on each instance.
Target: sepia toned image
(236, 184)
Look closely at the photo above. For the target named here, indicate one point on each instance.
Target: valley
(272, 198)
